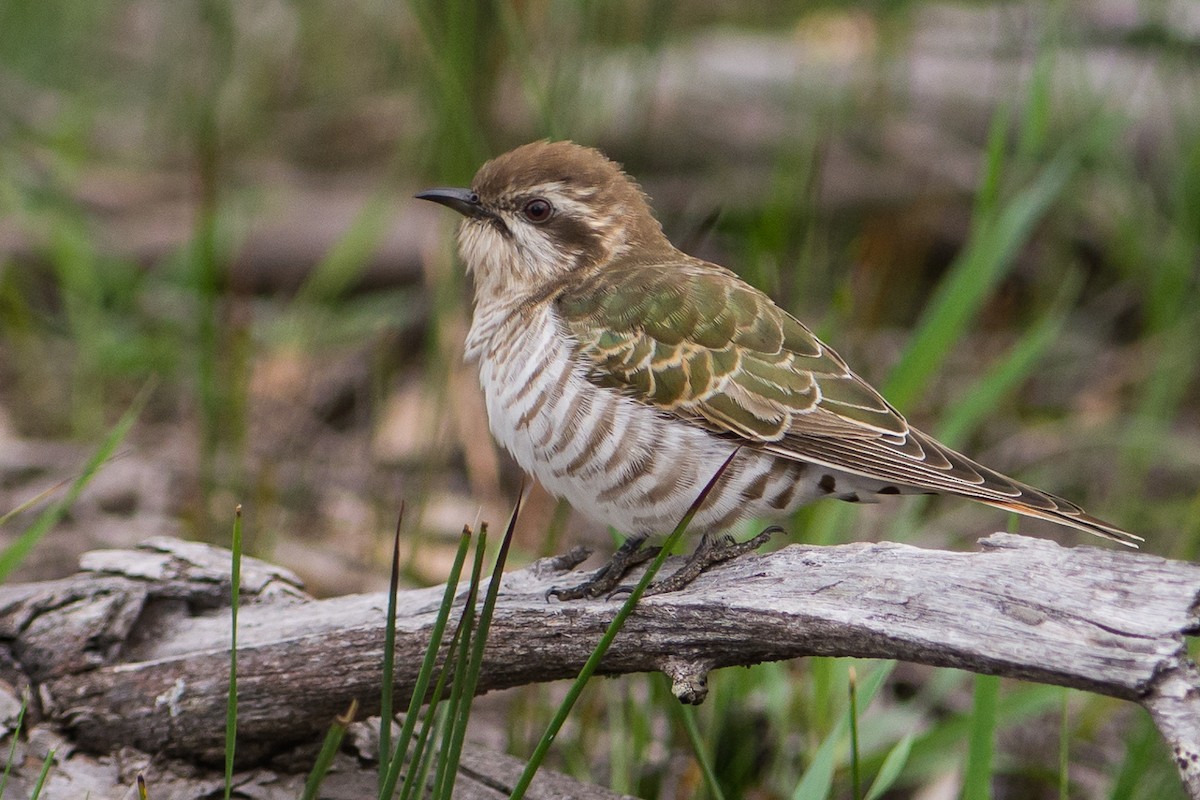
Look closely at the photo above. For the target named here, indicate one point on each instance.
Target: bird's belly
(618, 461)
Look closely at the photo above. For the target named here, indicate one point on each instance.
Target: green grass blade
(855, 775)
(231, 704)
(987, 256)
(387, 689)
(1005, 376)
(41, 781)
(1139, 758)
(1064, 746)
(348, 257)
(817, 780)
(37, 498)
(466, 625)
(431, 725)
(1162, 393)
(451, 46)
(329, 750)
(627, 740)
(444, 778)
(478, 644)
(1039, 102)
(12, 751)
(686, 715)
(934, 750)
(431, 731)
(893, 765)
(589, 667)
(424, 675)
(522, 52)
(19, 549)
(986, 395)
(987, 196)
(977, 783)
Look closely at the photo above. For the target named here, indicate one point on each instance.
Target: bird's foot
(709, 553)
(604, 580)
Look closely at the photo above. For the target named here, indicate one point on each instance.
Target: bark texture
(133, 652)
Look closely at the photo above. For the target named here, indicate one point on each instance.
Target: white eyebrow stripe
(564, 202)
(558, 190)
(574, 208)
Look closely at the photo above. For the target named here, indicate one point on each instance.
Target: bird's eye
(537, 210)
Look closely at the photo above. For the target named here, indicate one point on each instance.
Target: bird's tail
(1065, 512)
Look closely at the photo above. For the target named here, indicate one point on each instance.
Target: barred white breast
(612, 458)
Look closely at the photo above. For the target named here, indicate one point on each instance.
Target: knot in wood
(689, 679)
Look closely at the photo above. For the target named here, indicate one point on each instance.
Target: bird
(621, 371)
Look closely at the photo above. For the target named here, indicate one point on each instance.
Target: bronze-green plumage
(622, 372)
(697, 341)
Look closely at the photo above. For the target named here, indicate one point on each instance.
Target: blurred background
(992, 210)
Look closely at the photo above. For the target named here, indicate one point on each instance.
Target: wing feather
(693, 339)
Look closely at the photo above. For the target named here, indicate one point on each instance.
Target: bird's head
(546, 211)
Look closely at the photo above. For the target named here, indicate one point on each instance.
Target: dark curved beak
(464, 201)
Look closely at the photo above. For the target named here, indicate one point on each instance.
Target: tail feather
(920, 463)
(1067, 513)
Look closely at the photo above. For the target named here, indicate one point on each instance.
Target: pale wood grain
(136, 652)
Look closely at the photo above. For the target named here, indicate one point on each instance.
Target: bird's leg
(605, 579)
(708, 553)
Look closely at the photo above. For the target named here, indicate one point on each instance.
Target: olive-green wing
(694, 340)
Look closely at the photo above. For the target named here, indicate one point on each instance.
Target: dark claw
(708, 554)
(628, 555)
(620, 591)
(606, 582)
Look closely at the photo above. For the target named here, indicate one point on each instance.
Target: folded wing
(693, 340)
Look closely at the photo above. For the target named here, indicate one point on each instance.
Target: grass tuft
(459, 676)
(395, 760)
(444, 775)
(817, 782)
(23, 545)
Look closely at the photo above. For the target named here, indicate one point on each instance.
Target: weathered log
(104, 616)
(483, 775)
(134, 652)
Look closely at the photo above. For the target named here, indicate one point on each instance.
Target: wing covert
(693, 339)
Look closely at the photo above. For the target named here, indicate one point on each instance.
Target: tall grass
(20, 547)
(977, 783)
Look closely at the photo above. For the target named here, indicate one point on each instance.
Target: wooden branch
(136, 654)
